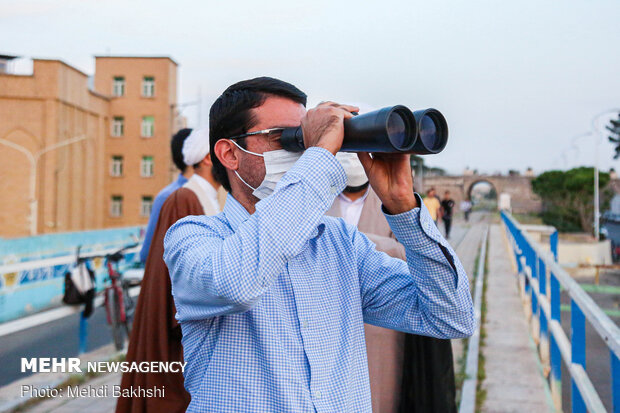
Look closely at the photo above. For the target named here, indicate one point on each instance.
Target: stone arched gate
(522, 198)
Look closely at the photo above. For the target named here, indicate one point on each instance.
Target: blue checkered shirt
(272, 305)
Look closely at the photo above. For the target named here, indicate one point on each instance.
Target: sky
(520, 83)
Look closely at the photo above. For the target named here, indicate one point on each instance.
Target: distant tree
(417, 163)
(614, 128)
(567, 198)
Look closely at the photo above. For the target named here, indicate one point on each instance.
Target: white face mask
(277, 163)
(354, 169)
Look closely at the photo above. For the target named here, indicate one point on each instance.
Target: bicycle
(118, 303)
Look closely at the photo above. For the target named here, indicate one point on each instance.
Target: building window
(116, 206)
(148, 126)
(146, 206)
(116, 167)
(118, 86)
(118, 126)
(148, 86)
(147, 167)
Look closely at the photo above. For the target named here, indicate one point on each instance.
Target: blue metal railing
(541, 278)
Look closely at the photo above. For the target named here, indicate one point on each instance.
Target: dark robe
(156, 334)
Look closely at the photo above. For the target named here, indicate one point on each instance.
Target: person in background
(466, 208)
(156, 334)
(447, 206)
(176, 147)
(408, 372)
(432, 204)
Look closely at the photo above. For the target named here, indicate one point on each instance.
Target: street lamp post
(33, 159)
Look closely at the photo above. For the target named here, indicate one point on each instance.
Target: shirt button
(333, 190)
(317, 394)
(304, 324)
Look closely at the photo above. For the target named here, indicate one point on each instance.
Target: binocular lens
(428, 132)
(397, 130)
(432, 132)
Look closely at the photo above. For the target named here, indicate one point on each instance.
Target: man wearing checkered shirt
(271, 294)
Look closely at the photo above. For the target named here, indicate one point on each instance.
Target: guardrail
(468, 392)
(540, 279)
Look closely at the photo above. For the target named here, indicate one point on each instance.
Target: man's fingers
(347, 108)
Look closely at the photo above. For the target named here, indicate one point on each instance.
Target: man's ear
(224, 150)
(207, 161)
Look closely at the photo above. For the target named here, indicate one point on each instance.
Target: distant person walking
(466, 208)
(447, 205)
(432, 204)
(176, 147)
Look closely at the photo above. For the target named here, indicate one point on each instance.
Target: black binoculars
(394, 129)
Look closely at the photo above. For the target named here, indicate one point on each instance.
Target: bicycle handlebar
(114, 256)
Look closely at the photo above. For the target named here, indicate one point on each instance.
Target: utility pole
(34, 158)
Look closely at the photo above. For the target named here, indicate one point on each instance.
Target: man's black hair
(230, 114)
(176, 146)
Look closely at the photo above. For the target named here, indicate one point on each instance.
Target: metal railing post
(578, 352)
(615, 381)
(544, 337)
(553, 242)
(556, 355)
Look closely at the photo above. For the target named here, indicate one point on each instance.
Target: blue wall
(29, 291)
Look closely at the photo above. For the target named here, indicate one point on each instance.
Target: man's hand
(323, 126)
(390, 177)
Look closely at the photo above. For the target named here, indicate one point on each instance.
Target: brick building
(79, 158)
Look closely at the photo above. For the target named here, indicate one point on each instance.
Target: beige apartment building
(77, 158)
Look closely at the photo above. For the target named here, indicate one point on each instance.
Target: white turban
(196, 146)
(354, 169)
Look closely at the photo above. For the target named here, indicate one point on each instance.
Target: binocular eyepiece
(394, 129)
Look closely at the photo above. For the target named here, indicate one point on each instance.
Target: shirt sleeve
(150, 227)
(427, 295)
(212, 275)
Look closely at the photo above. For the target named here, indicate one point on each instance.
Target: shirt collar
(359, 200)
(181, 179)
(205, 186)
(236, 215)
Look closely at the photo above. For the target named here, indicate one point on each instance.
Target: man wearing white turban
(202, 183)
(156, 334)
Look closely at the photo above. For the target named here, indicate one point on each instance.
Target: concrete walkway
(513, 381)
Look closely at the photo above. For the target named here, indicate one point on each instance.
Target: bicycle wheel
(130, 308)
(118, 330)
